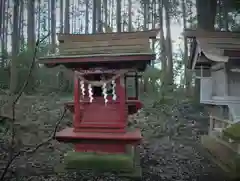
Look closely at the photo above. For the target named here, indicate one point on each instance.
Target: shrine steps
(128, 137)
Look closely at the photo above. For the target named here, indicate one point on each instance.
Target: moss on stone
(238, 164)
(99, 161)
(233, 132)
(222, 155)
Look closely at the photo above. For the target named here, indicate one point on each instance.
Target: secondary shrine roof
(81, 50)
(215, 46)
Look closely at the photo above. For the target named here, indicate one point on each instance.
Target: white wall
(234, 83)
(219, 82)
(206, 89)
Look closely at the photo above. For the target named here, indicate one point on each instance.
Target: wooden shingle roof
(214, 46)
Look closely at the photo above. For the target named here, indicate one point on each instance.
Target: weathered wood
(207, 44)
(211, 125)
(96, 49)
(214, 42)
(226, 121)
(189, 33)
(123, 42)
(227, 46)
(220, 40)
(232, 53)
(102, 51)
(97, 55)
(105, 47)
(107, 36)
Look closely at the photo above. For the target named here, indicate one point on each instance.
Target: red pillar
(76, 122)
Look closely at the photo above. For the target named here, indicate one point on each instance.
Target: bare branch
(11, 154)
(23, 88)
(31, 151)
(38, 42)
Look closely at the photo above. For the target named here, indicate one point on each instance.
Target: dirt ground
(170, 149)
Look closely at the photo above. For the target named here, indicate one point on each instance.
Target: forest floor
(170, 149)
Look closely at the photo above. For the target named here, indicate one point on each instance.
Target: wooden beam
(189, 33)
(93, 49)
(195, 57)
(232, 53)
(220, 40)
(151, 34)
(110, 43)
(219, 43)
(96, 58)
(106, 51)
(218, 66)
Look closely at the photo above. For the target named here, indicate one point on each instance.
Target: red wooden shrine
(101, 106)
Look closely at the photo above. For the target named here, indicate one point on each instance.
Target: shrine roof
(124, 60)
(101, 48)
(215, 46)
(150, 34)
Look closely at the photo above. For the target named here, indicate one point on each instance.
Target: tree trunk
(53, 26)
(31, 40)
(31, 25)
(49, 20)
(170, 76)
(145, 15)
(94, 16)
(225, 14)
(6, 23)
(206, 12)
(15, 48)
(2, 32)
(105, 7)
(65, 85)
(112, 23)
(72, 22)
(66, 17)
(187, 75)
(129, 15)
(98, 17)
(162, 41)
(153, 25)
(61, 16)
(39, 18)
(118, 19)
(86, 16)
(145, 27)
(21, 26)
(2, 14)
